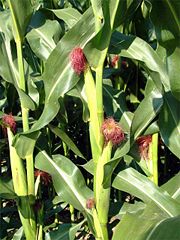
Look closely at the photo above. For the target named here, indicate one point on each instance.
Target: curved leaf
(67, 178)
(104, 14)
(167, 28)
(41, 39)
(8, 66)
(21, 12)
(69, 15)
(112, 164)
(172, 187)
(140, 186)
(25, 145)
(169, 123)
(66, 139)
(59, 76)
(144, 221)
(115, 105)
(64, 231)
(146, 112)
(136, 48)
(18, 234)
(7, 190)
(167, 229)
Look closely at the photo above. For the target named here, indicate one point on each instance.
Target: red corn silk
(124, 64)
(143, 144)
(114, 60)
(90, 203)
(112, 131)
(45, 177)
(78, 60)
(8, 121)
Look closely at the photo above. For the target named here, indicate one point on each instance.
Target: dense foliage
(90, 120)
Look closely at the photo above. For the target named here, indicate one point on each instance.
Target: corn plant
(89, 114)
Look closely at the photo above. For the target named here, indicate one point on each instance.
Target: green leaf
(67, 179)
(7, 190)
(41, 38)
(169, 123)
(136, 48)
(96, 49)
(167, 28)
(8, 66)
(146, 112)
(79, 92)
(89, 166)
(152, 128)
(115, 105)
(143, 221)
(66, 139)
(140, 186)
(167, 229)
(110, 166)
(25, 145)
(172, 187)
(59, 77)
(149, 221)
(18, 234)
(131, 208)
(69, 15)
(64, 232)
(125, 12)
(21, 12)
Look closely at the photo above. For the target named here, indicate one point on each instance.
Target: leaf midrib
(76, 194)
(43, 37)
(148, 195)
(173, 13)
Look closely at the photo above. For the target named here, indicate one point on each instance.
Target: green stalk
(117, 80)
(71, 208)
(99, 96)
(99, 83)
(22, 85)
(20, 188)
(94, 122)
(17, 168)
(25, 121)
(102, 195)
(100, 234)
(155, 157)
(39, 231)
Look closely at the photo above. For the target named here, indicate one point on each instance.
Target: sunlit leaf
(66, 139)
(169, 123)
(67, 178)
(59, 76)
(172, 187)
(41, 39)
(21, 12)
(136, 48)
(69, 15)
(146, 112)
(131, 181)
(144, 222)
(167, 28)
